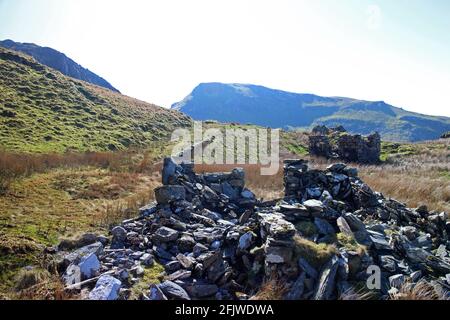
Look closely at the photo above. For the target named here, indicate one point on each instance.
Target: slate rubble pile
(215, 240)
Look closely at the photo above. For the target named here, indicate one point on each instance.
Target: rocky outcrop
(58, 61)
(337, 143)
(215, 240)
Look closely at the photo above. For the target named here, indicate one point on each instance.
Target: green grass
(152, 275)
(43, 111)
(306, 228)
(445, 174)
(295, 142)
(297, 149)
(316, 254)
(389, 149)
(350, 243)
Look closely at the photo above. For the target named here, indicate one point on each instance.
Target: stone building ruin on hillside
(339, 144)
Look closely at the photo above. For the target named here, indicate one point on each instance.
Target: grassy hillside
(58, 61)
(42, 110)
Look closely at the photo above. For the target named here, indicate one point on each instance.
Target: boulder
(155, 293)
(201, 291)
(119, 236)
(106, 288)
(167, 194)
(165, 234)
(89, 266)
(245, 241)
(173, 291)
(76, 256)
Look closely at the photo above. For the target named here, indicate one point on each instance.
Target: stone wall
(355, 148)
(214, 240)
(338, 144)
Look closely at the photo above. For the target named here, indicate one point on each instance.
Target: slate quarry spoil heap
(215, 240)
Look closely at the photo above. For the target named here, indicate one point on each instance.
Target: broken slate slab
(307, 268)
(167, 194)
(155, 293)
(89, 266)
(173, 290)
(327, 280)
(202, 290)
(278, 255)
(106, 288)
(344, 227)
(314, 205)
(165, 234)
(324, 226)
(245, 241)
(297, 289)
(76, 256)
(379, 240)
(72, 275)
(186, 262)
(396, 281)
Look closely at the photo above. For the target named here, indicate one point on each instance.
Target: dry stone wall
(215, 240)
(337, 143)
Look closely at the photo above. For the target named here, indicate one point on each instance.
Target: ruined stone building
(339, 144)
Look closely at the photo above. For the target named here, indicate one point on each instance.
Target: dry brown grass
(414, 188)
(18, 165)
(27, 278)
(422, 178)
(271, 289)
(418, 179)
(354, 294)
(42, 208)
(419, 291)
(50, 289)
(116, 211)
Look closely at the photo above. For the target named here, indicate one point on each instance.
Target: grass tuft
(316, 254)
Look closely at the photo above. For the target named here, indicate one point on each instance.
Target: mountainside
(279, 109)
(59, 61)
(42, 110)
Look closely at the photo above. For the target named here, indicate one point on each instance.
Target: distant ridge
(247, 103)
(59, 61)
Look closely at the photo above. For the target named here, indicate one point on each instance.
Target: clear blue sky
(158, 51)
